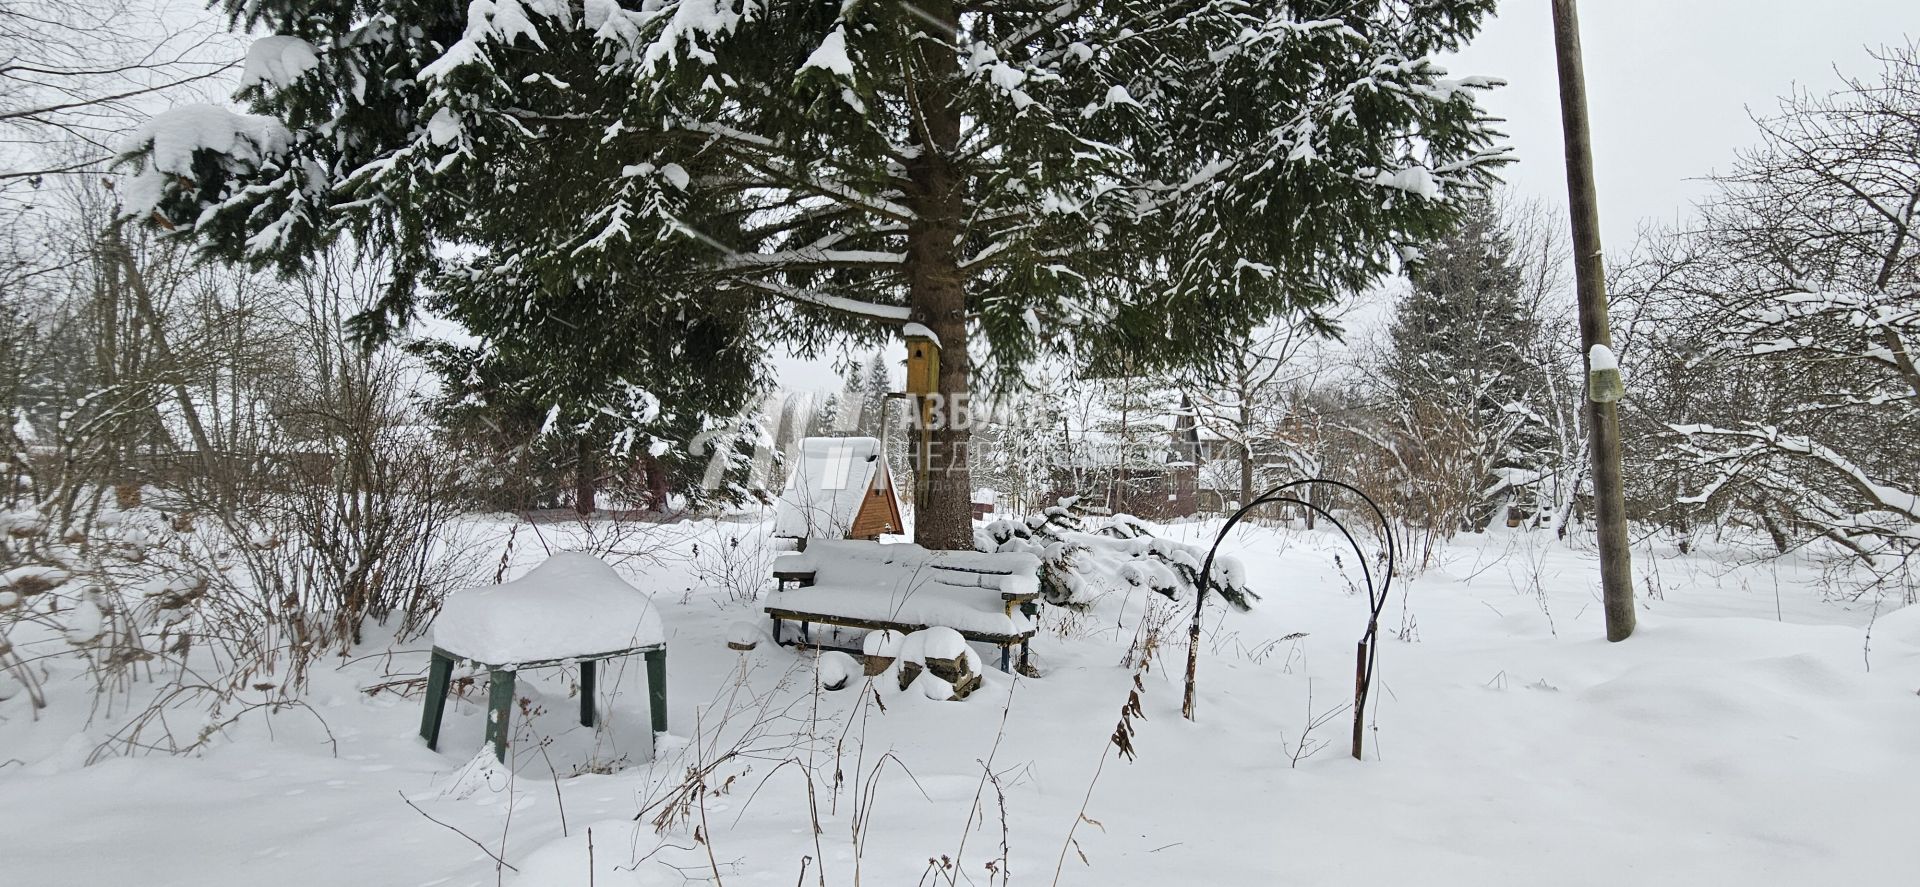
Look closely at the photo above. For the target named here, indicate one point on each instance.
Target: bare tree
(1242, 399)
(77, 72)
(1806, 266)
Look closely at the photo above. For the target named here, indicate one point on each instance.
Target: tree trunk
(1781, 541)
(659, 494)
(175, 372)
(936, 291)
(586, 470)
(1245, 430)
(1246, 475)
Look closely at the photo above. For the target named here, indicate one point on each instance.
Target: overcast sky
(1670, 84)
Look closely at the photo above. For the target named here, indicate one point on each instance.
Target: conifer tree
(826, 418)
(1142, 177)
(1461, 361)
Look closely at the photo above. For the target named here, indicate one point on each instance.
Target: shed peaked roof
(829, 482)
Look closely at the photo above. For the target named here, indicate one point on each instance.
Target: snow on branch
(278, 61)
(815, 258)
(1768, 440)
(886, 313)
(169, 142)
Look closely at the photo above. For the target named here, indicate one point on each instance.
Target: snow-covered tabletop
(572, 606)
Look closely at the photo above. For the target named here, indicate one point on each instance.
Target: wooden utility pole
(1603, 415)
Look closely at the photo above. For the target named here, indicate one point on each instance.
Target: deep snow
(1738, 738)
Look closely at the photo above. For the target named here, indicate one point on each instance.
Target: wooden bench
(988, 598)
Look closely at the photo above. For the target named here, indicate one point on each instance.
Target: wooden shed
(839, 488)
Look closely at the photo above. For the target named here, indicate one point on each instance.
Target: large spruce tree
(1148, 177)
(1461, 362)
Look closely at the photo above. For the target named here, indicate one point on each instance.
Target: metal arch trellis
(1367, 654)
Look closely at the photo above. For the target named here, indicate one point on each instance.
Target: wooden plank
(810, 645)
(499, 711)
(847, 621)
(439, 679)
(904, 627)
(976, 570)
(550, 663)
(657, 687)
(586, 693)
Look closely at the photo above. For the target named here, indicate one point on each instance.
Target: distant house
(1156, 476)
(839, 488)
(985, 501)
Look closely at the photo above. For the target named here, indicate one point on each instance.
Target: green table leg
(499, 707)
(586, 693)
(657, 687)
(439, 678)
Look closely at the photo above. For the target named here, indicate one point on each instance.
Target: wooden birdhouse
(923, 360)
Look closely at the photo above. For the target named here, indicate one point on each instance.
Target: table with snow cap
(571, 609)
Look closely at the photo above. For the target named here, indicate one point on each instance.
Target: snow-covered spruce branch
(814, 257)
(1083, 556)
(884, 313)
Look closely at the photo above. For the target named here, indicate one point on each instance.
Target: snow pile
(883, 642)
(501, 22)
(444, 127)
(572, 605)
(836, 669)
(920, 331)
(574, 860)
(23, 522)
(277, 61)
(795, 562)
(744, 635)
(935, 687)
(941, 643)
(85, 622)
(33, 579)
(481, 775)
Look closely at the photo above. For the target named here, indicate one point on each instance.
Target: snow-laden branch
(815, 258)
(869, 310)
(1880, 493)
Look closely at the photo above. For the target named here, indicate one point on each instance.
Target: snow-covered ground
(1753, 732)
